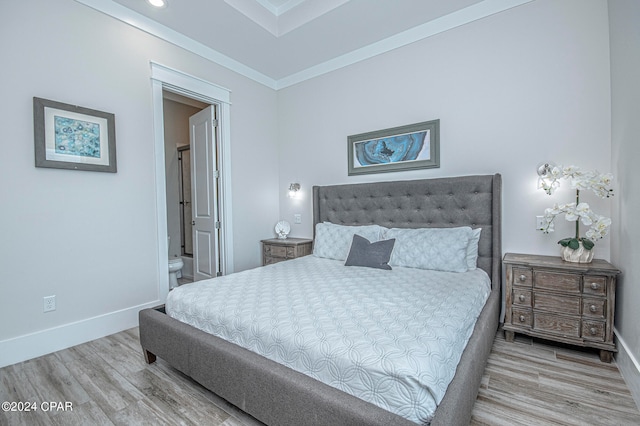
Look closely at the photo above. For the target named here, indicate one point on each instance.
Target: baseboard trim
(44, 342)
(629, 368)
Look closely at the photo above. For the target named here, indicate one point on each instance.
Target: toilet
(175, 264)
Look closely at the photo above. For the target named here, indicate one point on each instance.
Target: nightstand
(566, 302)
(276, 250)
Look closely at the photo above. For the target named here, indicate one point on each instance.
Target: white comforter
(393, 338)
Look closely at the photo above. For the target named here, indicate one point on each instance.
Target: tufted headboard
(428, 203)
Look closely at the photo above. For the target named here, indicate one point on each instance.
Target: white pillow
(334, 241)
(472, 249)
(440, 249)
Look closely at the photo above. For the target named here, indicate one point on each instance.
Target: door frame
(165, 78)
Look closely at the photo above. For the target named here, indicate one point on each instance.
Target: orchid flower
(578, 212)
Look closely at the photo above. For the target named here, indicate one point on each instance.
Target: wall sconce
(548, 177)
(293, 190)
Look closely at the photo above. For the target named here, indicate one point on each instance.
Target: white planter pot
(579, 255)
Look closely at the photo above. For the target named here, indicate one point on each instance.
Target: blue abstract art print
(76, 137)
(409, 147)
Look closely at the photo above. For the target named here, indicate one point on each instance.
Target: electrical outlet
(297, 218)
(49, 303)
(539, 222)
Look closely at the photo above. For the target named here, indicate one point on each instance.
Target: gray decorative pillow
(372, 255)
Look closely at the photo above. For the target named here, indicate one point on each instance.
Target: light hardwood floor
(532, 382)
(107, 382)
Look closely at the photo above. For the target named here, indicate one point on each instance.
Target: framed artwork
(416, 146)
(73, 137)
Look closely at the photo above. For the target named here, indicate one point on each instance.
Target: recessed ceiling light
(157, 3)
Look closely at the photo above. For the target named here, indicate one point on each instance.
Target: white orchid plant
(578, 212)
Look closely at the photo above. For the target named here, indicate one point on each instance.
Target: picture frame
(410, 147)
(73, 137)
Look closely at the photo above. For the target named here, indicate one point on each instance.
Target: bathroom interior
(177, 110)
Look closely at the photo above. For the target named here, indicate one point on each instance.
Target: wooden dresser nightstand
(565, 302)
(276, 250)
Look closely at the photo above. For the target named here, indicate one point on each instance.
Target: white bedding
(392, 338)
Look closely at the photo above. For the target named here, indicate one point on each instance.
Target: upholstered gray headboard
(428, 203)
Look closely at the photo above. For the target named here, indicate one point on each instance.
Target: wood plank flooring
(532, 382)
(107, 382)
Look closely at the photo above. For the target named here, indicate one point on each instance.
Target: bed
(278, 395)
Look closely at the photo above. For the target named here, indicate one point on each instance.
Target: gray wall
(527, 85)
(624, 24)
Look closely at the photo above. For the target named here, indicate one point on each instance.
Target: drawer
(276, 251)
(595, 285)
(521, 317)
(593, 330)
(593, 308)
(268, 260)
(556, 324)
(568, 283)
(521, 297)
(550, 302)
(522, 277)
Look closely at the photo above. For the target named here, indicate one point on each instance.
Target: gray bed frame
(277, 395)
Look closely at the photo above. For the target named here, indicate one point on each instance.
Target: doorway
(177, 110)
(192, 182)
(168, 81)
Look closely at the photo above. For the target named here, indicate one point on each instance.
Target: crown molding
(444, 23)
(279, 20)
(461, 17)
(141, 22)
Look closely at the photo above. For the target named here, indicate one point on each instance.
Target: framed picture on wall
(415, 146)
(72, 137)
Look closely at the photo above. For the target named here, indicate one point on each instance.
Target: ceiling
(281, 42)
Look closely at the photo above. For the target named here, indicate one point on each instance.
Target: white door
(204, 187)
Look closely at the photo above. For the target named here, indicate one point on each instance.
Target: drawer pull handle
(523, 277)
(593, 308)
(595, 286)
(521, 298)
(522, 318)
(593, 331)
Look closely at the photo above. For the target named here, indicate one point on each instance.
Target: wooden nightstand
(565, 302)
(276, 250)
